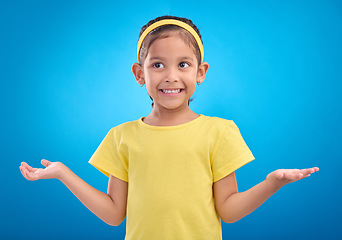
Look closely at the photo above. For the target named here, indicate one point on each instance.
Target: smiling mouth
(171, 91)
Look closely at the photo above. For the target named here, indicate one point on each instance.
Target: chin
(174, 106)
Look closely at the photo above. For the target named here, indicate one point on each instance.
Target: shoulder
(220, 127)
(218, 122)
(125, 127)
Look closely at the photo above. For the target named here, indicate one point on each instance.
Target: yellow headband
(172, 22)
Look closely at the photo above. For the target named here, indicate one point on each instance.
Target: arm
(232, 205)
(111, 207)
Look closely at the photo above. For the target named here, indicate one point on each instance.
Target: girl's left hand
(282, 177)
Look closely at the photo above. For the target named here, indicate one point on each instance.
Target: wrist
(274, 184)
(62, 171)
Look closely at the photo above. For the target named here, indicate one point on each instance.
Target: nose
(172, 75)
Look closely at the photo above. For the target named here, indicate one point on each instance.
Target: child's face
(170, 72)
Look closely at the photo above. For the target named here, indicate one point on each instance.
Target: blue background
(275, 69)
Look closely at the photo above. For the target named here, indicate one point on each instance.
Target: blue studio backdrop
(65, 80)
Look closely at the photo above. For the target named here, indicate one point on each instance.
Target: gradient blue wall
(275, 69)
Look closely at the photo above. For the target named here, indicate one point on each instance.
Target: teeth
(171, 91)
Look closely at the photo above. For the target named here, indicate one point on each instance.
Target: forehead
(170, 44)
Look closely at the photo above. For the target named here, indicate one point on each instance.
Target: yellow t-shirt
(170, 173)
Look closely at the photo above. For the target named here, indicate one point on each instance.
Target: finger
(45, 162)
(306, 172)
(31, 176)
(25, 174)
(23, 168)
(293, 176)
(23, 164)
(22, 171)
(280, 174)
(28, 167)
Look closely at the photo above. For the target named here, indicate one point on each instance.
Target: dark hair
(162, 32)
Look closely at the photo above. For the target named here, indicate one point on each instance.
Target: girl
(172, 172)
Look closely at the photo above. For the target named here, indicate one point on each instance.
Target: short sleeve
(231, 152)
(107, 158)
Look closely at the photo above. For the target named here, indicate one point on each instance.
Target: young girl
(172, 172)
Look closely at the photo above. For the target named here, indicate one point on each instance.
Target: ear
(202, 71)
(138, 73)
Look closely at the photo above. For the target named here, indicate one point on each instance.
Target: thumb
(45, 162)
(281, 175)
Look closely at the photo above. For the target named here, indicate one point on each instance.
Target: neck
(170, 117)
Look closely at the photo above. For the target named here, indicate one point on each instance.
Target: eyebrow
(156, 58)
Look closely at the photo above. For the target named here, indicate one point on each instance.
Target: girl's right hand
(51, 170)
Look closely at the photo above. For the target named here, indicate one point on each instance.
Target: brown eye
(158, 65)
(183, 65)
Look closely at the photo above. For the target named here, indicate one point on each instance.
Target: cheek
(192, 78)
(151, 88)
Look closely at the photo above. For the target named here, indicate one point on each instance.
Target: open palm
(285, 176)
(51, 170)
